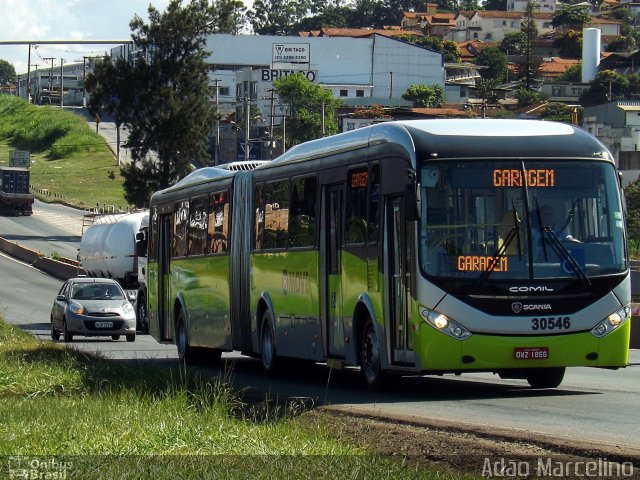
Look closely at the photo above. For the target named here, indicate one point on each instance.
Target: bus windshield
(521, 220)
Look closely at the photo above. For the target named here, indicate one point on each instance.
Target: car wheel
(68, 336)
(115, 337)
(55, 334)
(545, 377)
(268, 350)
(370, 364)
(131, 337)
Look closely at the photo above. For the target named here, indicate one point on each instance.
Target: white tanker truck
(115, 246)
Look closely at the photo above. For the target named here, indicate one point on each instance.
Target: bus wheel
(545, 377)
(185, 352)
(142, 323)
(370, 365)
(268, 345)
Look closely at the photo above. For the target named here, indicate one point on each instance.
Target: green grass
(104, 419)
(69, 161)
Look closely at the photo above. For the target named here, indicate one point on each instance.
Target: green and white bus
(412, 247)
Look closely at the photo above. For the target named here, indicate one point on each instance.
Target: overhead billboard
(291, 56)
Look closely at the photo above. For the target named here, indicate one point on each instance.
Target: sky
(66, 20)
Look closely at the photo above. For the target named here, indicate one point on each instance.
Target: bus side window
(197, 229)
(218, 223)
(302, 213)
(180, 222)
(356, 205)
(258, 208)
(276, 214)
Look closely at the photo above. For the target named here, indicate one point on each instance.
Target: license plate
(104, 324)
(531, 353)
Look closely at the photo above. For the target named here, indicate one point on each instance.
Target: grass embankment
(103, 419)
(69, 161)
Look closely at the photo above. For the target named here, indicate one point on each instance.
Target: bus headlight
(444, 324)
(613, 321)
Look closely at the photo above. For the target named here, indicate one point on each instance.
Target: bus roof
(460, 138)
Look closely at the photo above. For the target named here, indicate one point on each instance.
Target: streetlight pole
(247, 144)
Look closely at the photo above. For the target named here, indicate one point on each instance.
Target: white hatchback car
(92, 307)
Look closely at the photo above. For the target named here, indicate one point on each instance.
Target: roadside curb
(56, 268)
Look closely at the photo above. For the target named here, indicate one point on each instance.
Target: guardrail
(58, 268)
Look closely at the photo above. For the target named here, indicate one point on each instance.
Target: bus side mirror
(411, 208)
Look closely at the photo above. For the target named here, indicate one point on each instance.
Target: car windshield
(96, 291)
(497, 220)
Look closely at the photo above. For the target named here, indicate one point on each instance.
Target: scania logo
(531, 289)
(518, 307)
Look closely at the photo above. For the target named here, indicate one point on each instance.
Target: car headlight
(76, 308)
(127, 308)
(613, 321)
(444, 324)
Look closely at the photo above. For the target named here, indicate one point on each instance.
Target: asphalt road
(590, 405)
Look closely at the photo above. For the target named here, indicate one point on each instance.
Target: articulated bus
(410, 247)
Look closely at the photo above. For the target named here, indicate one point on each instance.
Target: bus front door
(164, 278)
(332, 284)
(399, 283)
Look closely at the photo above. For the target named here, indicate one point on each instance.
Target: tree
(574, 17)
(424, 95)
(450, 50)
(607, 86)
(304, 103)
(569, 43)
(528, 65)
(514, 43)
(163, 96)
(495, 62)
(7, 73)
(572, 74)
(276, 17)
(527, 97)
(632, 200)
(557, 112)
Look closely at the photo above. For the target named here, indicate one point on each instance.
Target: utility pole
(29, 75)
(84, 82)
(61, 83)
(271, 121)
(35, 90)
(247, 144)
(216, 154)
(391, 85)
(50, 84)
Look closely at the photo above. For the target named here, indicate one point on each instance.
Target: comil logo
(531, 289)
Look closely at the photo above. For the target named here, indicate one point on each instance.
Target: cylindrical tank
(108, 247)
(590, 53)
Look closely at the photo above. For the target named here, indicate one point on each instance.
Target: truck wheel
(115, 337)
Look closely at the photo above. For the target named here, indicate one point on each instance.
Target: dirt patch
(450, 449)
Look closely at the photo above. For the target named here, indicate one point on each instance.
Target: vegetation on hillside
(69, 161)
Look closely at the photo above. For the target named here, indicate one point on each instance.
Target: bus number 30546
(551, 323)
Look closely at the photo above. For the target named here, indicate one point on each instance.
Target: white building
(374, 70)
(493, 25)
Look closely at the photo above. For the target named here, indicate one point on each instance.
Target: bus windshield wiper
(563, 253)
(502, 249)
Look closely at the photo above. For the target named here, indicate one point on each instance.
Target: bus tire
(142, 322)
(545, 377)
(370, 364)
(268, 352)
(186, 354)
